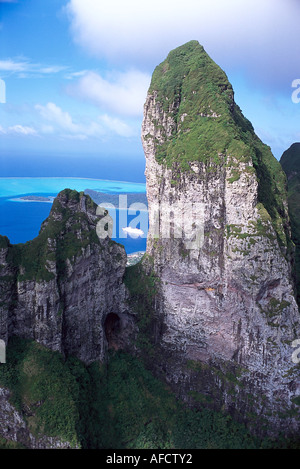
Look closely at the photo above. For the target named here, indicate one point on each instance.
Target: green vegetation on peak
(209, 127)
(189, 72)
(62, 236)
(290, 162)
(70, 198)
(4, 242)
(196, 93)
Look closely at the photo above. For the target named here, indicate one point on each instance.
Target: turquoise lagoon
(20, 220)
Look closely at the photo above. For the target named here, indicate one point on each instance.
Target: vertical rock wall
(227, 303)
(59, 288)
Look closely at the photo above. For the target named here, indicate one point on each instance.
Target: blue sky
(77, 71)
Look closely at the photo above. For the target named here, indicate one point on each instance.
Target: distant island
(98, 197)
(34, 198)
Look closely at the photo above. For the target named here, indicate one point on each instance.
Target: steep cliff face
(62, 288)
(219, 244)
(290, 162)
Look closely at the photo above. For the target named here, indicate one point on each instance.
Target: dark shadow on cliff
(290, 162)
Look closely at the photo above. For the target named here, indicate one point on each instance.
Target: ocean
(20, 219)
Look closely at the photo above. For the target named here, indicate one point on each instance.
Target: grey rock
(227, 305)
(76, 284)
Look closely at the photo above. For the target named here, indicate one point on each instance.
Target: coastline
(47, 200)
(134, 258)
(71, 177)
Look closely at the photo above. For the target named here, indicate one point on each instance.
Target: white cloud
(123, 93)
(116, 126)
(10, 65)
(52, 69)
(72, 75)
(21, 129)
(62, 123)
(53, 113)
(25, 66)
(260, 36)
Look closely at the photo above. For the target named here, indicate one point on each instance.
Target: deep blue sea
(20, 220)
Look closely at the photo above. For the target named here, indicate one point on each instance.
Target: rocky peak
(61, 288)
(70, 204)
(192, 123)
(225, 303)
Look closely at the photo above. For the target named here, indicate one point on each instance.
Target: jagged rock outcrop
(219, 244)
(64, 288)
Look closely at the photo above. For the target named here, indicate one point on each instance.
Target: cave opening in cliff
(112, 328)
